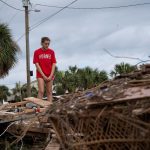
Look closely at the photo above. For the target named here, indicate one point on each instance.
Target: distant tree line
(75, 79)
(72, 80)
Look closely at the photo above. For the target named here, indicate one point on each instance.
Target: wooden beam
(52, 146)
(10, 105)
(40, 102)
(118, 101)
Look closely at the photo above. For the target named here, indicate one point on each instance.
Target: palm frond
(8, 51)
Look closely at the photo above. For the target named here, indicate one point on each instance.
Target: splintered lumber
(6, 115)
(18, 104)
(139, 82)
(39, 130)
(118, 101)
(33, 129)
(10, 105)
(53, 146)
(15, 116)
(114, 115)
(37, 101)
(3, 106)
(28, 111)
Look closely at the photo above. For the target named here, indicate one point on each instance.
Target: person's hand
(49, 78)
(45, 78)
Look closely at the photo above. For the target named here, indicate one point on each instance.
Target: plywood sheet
(37, 101)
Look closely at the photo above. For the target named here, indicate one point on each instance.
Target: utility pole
(26, 6)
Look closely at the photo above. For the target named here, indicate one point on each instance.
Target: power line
(20, 37)
(49, 17)
(139, 59)
(2, 6)
(127, 57)
(97, 8)
(12, 17)
(6, 129)
(11, 6)
(45, 19)
(67, 7)
(144, 61)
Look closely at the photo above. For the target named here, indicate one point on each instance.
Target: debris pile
(112, 116)
(23, 121)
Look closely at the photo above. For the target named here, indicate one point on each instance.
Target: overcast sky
(79, 36)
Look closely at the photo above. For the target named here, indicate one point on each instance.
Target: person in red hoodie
(45, 62)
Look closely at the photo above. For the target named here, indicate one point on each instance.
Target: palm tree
(100, 76)
(122, 68)
(91, 77)
(8, 51)
(17, 89)
(17, 92)
(34, 91)
(4, 92)
(78, 79)
(59, 75)
(73, 69)
(59, 82)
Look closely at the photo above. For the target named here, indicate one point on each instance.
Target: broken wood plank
(118, 101)
(10, 105)
(52, 146)
(18, 103)
(28, 111)
(20, 117)
(43, 119)
(139, 81)
(37, 101)
(3, 106)
(7, 115)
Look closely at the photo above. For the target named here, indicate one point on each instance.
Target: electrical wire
(140, 60)
(20, 37)
(49, 17)
(2, 6)
(12, 17)
(6, 129)
(121, 56)
(45, 19)
(21, 144)
(96, 8)
(67, 7)
(11, 6)
(144, 61)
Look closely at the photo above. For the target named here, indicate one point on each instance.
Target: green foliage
(59, 90)
(8, 51)
(34, 92)
(20, 92)
(77, 78)
(122, 68)
(17, 92)
(4, 92)
(71, 80)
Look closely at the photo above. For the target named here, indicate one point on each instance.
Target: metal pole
(27, 48)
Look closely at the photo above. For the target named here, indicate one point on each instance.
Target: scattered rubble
(112, 116)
